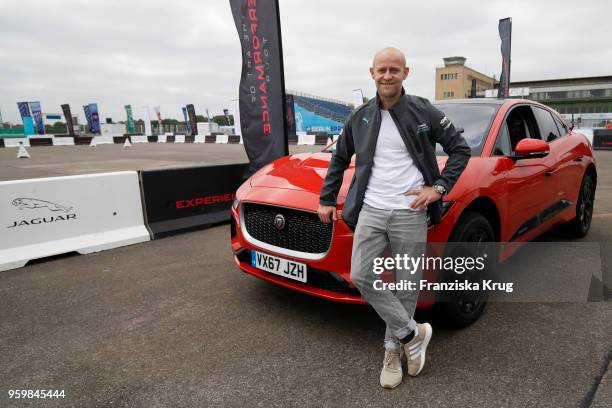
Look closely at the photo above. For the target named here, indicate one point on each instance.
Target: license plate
(279, 266)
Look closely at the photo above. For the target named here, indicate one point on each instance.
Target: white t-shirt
(393, 171)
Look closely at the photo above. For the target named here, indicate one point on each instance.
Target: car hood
(305, 171)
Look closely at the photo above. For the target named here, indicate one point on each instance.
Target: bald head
(389, 53)
(388, 71)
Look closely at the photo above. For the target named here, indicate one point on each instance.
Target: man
(396, 179)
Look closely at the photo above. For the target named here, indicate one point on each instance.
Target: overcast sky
(171, 53)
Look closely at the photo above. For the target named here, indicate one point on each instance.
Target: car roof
(487, 101)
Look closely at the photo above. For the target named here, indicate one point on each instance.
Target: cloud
(173, 53)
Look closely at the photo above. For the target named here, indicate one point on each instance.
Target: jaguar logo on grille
(279, 221)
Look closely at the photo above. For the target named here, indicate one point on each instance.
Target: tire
(457, 309)
(581, 224)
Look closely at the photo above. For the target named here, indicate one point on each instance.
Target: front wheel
(461, 309)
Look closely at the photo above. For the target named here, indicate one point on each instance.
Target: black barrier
(189, 139)
(1, 142)
(170, 139)
(176, 200)
(602, 139)
(233, 139)
(82, 140)
(210, 139)
(292, 139)
(121, 139)
(152, 139)
(41, 141)
(321, 139)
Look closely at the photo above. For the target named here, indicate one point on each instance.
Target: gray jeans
(403, 232)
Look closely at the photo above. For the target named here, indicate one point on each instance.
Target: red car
(528, 172)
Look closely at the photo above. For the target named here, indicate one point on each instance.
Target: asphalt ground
(173, 322)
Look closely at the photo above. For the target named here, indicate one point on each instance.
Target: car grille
(303, 231)
(317, 278)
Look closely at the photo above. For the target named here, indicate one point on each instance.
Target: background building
(455, 80)
(587, 101)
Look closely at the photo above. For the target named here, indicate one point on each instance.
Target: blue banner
(92, 117)
(186, 117)
(95, 118)
(87, 118)
(37, 115)
(28, 126)
(26, 118)
(24, 109)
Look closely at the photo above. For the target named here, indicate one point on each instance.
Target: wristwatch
(440, 189)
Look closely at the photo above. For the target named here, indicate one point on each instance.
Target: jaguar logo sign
(66, 213)
(32, 203)
(279, 221)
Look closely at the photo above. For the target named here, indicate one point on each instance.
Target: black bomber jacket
(421, 126)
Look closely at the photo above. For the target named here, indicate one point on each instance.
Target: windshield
(474, 118)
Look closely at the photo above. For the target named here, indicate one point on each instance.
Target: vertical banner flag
(290, 111)
(130, 119)
(37, 115)
(24, 109)
(68, 117)
(86, 109)
(147, 121)
(505, 33)
(192, 119)
(95, 119)
(26, 118)
(262, 82)
(357, 97)
(184, 109)
(159, 120)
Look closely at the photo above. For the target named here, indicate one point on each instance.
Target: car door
(570, 162)
(531, 184)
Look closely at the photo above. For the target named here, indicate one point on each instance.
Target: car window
(517, 126)
(502, 143)
(474, 118)
(546, 123)
(561, 126)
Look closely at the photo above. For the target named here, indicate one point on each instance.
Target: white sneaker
(391, 374)
(415, 349)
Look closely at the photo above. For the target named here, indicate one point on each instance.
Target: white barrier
(161, 139)
(14, 142)
(199, 139)
(306, 139)
(63, 141)
(179, 139)
(588, 132)
(104, 139)
(221, 139)
(139, 139)
(86, 213)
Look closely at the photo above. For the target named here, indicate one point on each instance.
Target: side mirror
(531, 149)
